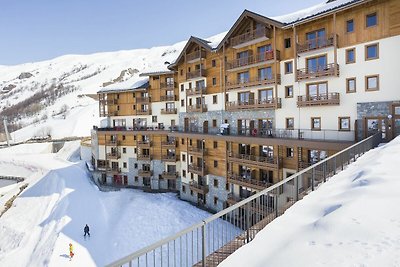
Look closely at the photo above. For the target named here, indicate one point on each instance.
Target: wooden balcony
(166, 111)
(197, 151)
(143, 112)
(114, 170)
(145, 173)
(169, 143)
(330, 99)
(322, 71)
(144, 144)
(199, 188)
(115, 155)
(196, 74)
(315, 44)
(247, 182)
(200, 170)
(143, 100)
(197, 108)
(254, 161)
(252, 83)
(109, 101)
(144, 157)
(251, 37)
(252, 61)
(167, 85)
(196, 91)
(168, 158)
(170, 175)
(274, 103)
(113, 142)
(195, 56)
(168, 98)
(103, 168)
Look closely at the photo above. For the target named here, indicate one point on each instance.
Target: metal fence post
(312, 178)
(203, 244)
(334, 165)
(247, 223)
(276, 203)
(324, 170)
(297, 187)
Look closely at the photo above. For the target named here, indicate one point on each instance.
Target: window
(215, 163)
(215, 182)
(124, 150)
(371, 51)
(124, 164)
(135, 165)
(181, 72)
(215, 200)
(316, 123)
(350, 55)
(289, 91)
(226, 98)
(182, 88)
(287, 43)
(191, 192)
(351, 85)
(183, 189)
(136, 179)
(243, 77)
(214, 123)
(183, 157)
(213, 63)
(214, 81)
(372, 83)
(265, 74)
(371, 20)
(227, 186)
(317, 91)
(182, 102)
(183, 173)
(288, 67)
(350, 26)
(316, 64)
(344, 123)
(215, 99)
(289, 152)
(154, 118)
(135, 150)
(183, 141)
(215, 145)
(123, 137)
(289, 123)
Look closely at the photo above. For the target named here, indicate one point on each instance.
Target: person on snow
(86, 230)
(71, 251)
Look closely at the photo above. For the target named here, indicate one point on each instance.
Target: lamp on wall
(390, 120)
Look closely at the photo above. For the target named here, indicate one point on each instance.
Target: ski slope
(61, 199)
(352, 220)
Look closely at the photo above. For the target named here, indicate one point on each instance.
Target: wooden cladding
(315, 44)
(250, 36)
(253, 59)
(322, 71)
(196, 74)
(253, 82)
(196, 91)
(318, 100)
(273, 103)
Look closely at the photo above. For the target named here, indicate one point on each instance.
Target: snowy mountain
(51, 97)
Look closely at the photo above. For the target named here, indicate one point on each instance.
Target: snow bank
(352, 220)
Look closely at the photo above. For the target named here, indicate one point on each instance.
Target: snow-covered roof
(156, 73)
(141, 84)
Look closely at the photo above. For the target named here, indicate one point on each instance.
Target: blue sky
(34, 30)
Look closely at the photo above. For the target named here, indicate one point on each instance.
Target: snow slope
(352, 220)
(61, 199)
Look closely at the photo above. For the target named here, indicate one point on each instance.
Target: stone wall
(219, 192)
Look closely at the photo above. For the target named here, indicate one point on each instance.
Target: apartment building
(232, 117)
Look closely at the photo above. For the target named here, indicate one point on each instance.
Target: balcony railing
(113, 142)
(103, 168)
(143, 100)
(196, 74)
(109, 101)
(144, 143)
(168, 98)
(168, 158)
(274, 103)
(247, 182)
(196, 91)
(169, 175)
(196, 55)
(318, 100)
(314, 44)
(144, 157)
(256, 161)
(251, 36)
(253, 59)
(143, 112)
(200, 188)
(320, 71)
(115, 170)
(200, 170)
(197, 151)
(168, 111)
(169, 143)
(239, 84)
(114, 155)
(197, 108)
(145, 173)
(167, 85)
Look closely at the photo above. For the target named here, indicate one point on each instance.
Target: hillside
(49, 97)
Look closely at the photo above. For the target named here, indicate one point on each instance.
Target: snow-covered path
(61, 199)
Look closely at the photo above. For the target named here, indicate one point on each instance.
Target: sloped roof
(139, 85)
(155, 73)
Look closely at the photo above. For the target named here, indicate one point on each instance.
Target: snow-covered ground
(61, 199)
(352, 220)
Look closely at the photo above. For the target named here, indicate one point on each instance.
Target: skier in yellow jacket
(71, 251)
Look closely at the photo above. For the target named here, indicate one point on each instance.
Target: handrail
(339, 159)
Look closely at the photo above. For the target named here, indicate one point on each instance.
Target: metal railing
(209, 242)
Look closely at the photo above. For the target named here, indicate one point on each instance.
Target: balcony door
(316, 64)
(262, 52)
(317, 91)
(316, 38)
(265, 96)
(265, 74)
(372, 125)
(243, 77)
(243, 58)
(200, 84)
